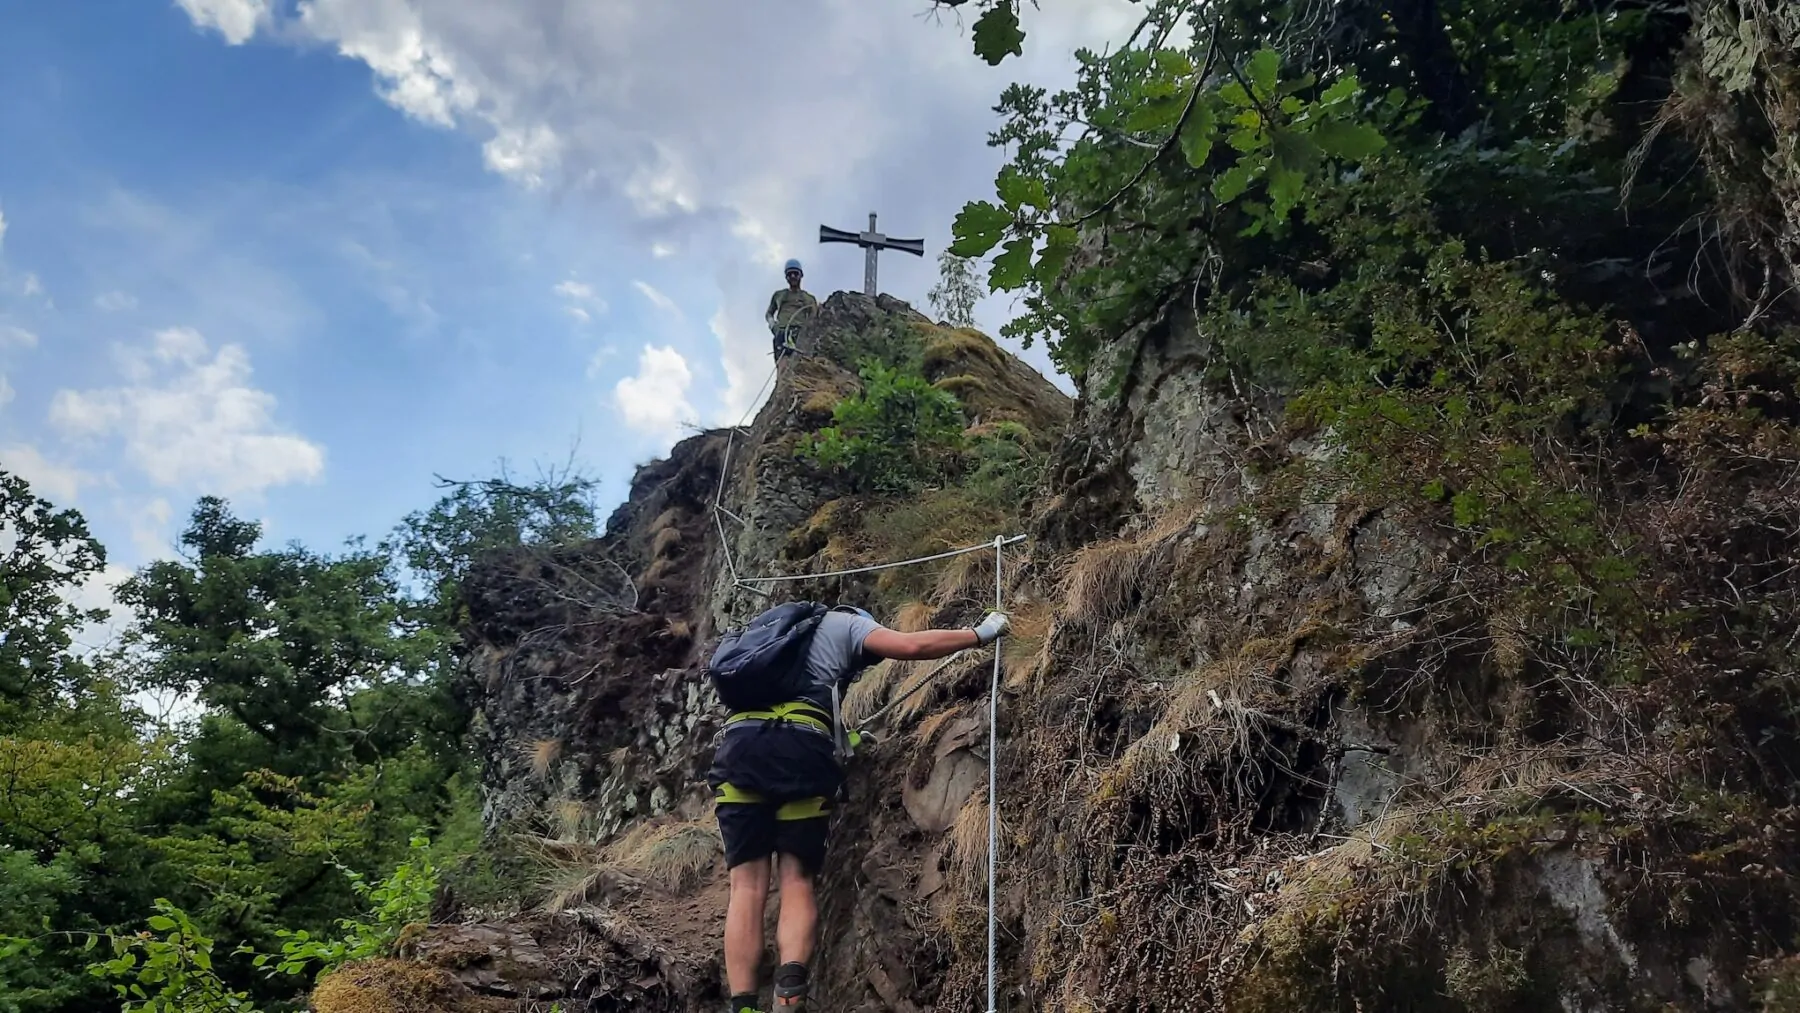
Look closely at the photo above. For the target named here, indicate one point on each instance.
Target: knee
(750, 881)
(794, 877)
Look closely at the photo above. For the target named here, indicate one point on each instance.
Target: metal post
(869, 254)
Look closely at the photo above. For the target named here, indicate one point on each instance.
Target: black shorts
(774, 787)
(754, 830)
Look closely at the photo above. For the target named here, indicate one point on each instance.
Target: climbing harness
(843, 744)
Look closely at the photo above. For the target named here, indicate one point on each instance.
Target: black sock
(739, 1003)
(790, 976)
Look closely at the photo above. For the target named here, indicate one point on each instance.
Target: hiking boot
(745, 1004)
(790, 987)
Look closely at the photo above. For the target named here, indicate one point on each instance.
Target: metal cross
(872, 243)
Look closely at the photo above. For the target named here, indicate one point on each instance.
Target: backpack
(764, 663)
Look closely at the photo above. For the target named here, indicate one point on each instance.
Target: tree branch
(1174, 138)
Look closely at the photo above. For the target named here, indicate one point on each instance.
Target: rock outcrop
(1261, 750)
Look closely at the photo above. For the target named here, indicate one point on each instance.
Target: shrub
(895, 437)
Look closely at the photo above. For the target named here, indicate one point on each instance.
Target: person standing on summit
(777, 768)
(785, 309)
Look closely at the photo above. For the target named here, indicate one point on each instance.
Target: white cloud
(58, 483)
(716, 129)
(654, 401)
(16, 337)
(525, 154)
(2, 228)
(747, 362)
(6, 391)
(581, 300)
(656, 297)
(31, 286)
(188, 417)
(418, 74)
(150, 528)
(116, 302)
(236, 20)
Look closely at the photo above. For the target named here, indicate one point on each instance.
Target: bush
(897, 436)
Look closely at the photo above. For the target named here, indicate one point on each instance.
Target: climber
(778, 767)
(785, 308)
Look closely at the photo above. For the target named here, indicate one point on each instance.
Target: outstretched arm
(924, 645)
(929, 645)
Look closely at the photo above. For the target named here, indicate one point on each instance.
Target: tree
(49, 554)
(279, 640)
(438, 545)
(953, 298)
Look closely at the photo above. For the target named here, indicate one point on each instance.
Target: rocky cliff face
(1263, 746)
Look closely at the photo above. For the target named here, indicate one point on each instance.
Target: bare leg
(799, 913)
(744, 924)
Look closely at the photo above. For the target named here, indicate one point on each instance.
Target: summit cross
(872, 243)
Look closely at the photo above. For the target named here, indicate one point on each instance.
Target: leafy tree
(953, 298)
(438, 544)
(279, 640)
(31, 893)
(894, 437)
(48, 554)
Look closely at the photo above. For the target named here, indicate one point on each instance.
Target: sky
(309, 254)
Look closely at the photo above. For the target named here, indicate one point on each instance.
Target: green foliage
(894, 437)
(209, 625)
(32, 893)
(402, 899)
(170, 972)
(48, 554)
(997, 33)
(1241, 149)
(953, 298)
(437, 545)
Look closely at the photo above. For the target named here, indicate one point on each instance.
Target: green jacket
(787, 306)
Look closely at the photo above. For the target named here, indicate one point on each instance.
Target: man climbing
(785, 309)
(777, 768)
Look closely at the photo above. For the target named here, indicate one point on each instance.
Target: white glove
(995, 624)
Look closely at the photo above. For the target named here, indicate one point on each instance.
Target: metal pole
(869, 256)
(993, 783)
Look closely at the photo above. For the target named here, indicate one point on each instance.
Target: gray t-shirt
(836, 653)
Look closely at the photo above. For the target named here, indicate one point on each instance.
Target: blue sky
(308, 254)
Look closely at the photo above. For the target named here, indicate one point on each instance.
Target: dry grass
(819, 386)
(925, 736)
(569, 818)
(665, 520)
(913, 617)
(666, 539)
(669, 856)
(968, 578)
(660, 570)
(932, 681)
(950, 347)
(1105, 579)
(1205, 715)
(961, 385)
(967, 876)
(384, 986)
(1026, 645)
(542, 753)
